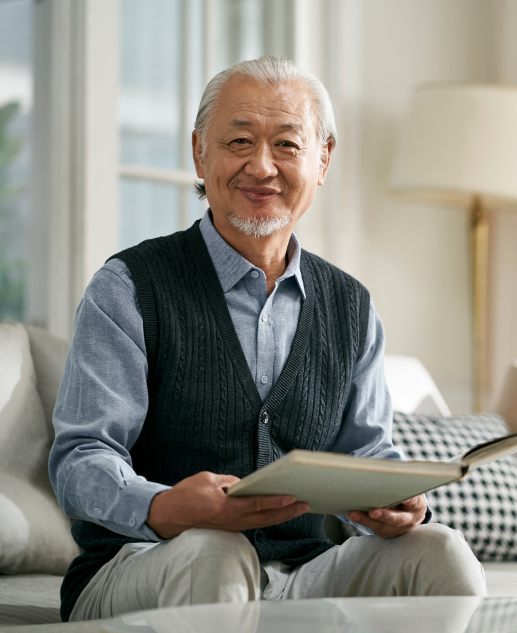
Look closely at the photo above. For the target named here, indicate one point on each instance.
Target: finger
(385, 530)
(225, 481)
(237, 522)
(393, 517)
(412, 503)
(266, 518)
(390, 525)
(259, 503)
(416, 509)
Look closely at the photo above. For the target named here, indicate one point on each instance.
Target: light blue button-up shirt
(103, 398)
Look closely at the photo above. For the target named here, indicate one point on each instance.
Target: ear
(197, 149)
(326, 153)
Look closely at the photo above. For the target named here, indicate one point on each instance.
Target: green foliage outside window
(12, 268)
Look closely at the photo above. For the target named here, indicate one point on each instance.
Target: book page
(488, 451)
(343, 483)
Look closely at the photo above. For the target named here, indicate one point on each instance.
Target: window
(170, 49)
(15, 122)
(116, 90)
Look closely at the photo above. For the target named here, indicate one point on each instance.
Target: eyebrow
(240, 123)
(296, 127)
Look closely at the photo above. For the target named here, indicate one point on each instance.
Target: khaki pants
(208, 566)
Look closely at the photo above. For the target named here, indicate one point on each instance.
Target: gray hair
(267, 71)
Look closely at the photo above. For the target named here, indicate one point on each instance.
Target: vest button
(264, 417)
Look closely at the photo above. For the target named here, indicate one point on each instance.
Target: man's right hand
(201, 501)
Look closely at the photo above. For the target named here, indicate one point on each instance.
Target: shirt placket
(265, 349)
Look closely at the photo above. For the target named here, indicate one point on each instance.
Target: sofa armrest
(507, 404)
(49, 355)
(411, 387)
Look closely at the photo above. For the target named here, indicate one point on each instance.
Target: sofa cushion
(35, 590)
(18, 615)
(501, 579)
(34, 532)
(484, 504)
(49, 356)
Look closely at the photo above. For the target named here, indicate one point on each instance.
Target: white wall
(503, 263)
(414, 260)
(329, 40)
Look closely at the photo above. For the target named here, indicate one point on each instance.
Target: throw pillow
(49, 356)
(484, 504)
(34, 532)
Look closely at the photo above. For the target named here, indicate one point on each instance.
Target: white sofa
(413, 391)
(35, 542)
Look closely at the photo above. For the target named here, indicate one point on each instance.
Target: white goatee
(259, 227)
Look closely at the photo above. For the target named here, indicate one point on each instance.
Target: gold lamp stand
(478, 161)
(479, 232)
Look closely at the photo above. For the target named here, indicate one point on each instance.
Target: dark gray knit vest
(205, 412)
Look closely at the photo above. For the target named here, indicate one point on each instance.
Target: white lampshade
(459, 141)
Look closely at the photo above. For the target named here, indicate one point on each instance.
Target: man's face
(263, 155)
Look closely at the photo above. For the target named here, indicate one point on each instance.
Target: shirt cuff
(129, 515)
(366, 531)
(428, 516)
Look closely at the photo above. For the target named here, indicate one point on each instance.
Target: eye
(287, 144)
(240, 141)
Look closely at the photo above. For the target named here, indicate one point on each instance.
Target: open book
(333, 483)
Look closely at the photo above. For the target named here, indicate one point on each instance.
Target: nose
(261, 163)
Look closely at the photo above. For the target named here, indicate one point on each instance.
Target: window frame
(76, 170)
(74, 192)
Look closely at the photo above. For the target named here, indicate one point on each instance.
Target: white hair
(267, 71)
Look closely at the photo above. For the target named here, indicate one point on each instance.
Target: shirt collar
(231, 267)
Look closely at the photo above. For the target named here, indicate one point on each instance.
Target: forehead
(285, 106)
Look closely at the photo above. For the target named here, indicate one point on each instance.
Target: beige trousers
(208, 566)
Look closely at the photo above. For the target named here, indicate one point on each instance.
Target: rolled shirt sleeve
(101, 408)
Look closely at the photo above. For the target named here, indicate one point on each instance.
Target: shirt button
(264, 317)
(263, 380)
(254, 274)
(132, 521)
(264, 417)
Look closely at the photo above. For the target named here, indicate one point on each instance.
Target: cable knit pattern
(205, 412)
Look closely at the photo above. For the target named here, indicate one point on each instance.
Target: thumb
(226, 481)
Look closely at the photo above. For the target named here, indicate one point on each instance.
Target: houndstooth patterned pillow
(497, 614)
(484, 504)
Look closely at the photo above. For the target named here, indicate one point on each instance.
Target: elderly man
(199, 357)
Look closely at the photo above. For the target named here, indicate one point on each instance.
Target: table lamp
(459, 148)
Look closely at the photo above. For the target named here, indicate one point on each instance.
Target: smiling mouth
(259, 194)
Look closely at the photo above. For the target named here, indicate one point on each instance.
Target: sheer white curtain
(169, 50)
(15, 149)
(117, 85)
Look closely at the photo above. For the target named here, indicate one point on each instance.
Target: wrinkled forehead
(243, 103)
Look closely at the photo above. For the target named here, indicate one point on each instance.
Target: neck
(267, 253)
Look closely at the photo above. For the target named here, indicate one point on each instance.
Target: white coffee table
(349, 615)
(333, 615)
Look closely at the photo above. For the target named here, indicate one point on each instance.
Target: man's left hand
(394, 521)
